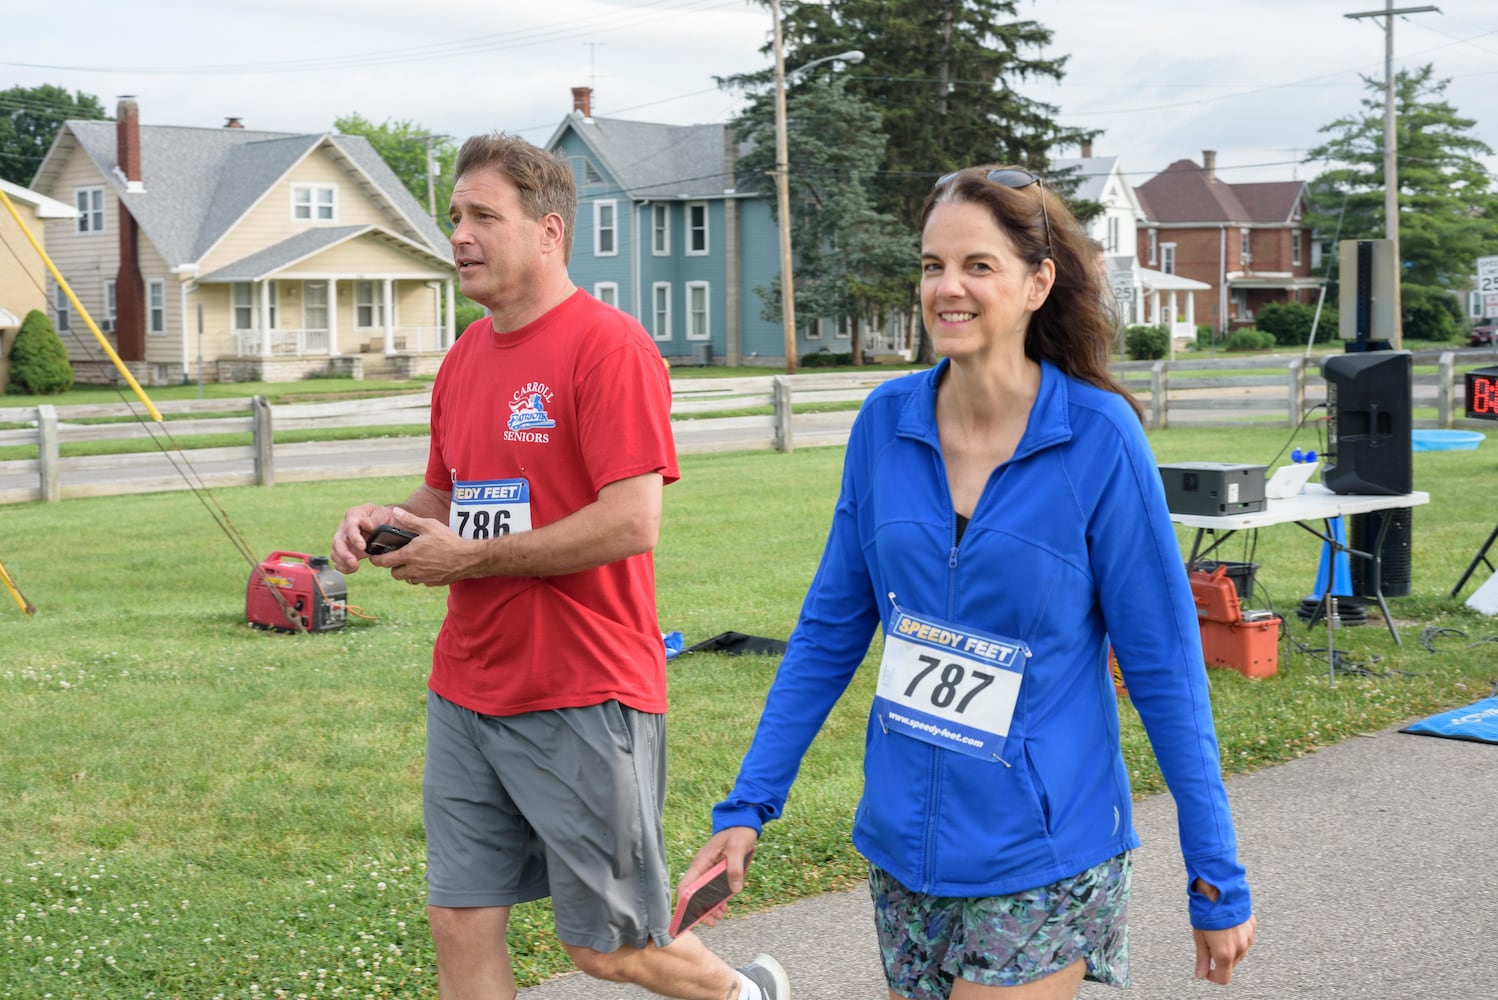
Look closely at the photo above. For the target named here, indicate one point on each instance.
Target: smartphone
(698, 899)
(387, 538)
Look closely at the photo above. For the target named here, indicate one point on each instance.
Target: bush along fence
(734, 414)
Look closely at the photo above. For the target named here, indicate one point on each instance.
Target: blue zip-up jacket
(1069, 548)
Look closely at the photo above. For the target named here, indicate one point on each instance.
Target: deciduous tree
(403, 147)
(30, 118)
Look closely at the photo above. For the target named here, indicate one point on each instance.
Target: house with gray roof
(231, 254)
(668, 232)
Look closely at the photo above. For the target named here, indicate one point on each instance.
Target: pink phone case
(697, 899)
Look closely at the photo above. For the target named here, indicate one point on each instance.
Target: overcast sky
(1164, 79)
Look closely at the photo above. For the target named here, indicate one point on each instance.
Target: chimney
(233, 123)
(130, 293)
(127, 140)
(1209, 163)
(582, 101)
(1086, 150)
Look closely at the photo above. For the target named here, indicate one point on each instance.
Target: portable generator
(295, 592)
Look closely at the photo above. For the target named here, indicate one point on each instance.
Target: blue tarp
(1477, 722)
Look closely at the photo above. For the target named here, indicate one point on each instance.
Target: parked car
(1482, 331)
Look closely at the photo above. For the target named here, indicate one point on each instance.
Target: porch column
(1154, 317)
(452, 321)
(388, 301)
(1191, 311)
(1174, 312)
(333, 351)
(264, 318)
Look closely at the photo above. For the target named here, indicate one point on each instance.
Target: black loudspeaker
(1369, 419)
(1395, 557)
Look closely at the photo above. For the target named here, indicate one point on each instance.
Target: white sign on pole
(1487, 284)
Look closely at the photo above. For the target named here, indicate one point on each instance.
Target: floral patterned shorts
(927, 942)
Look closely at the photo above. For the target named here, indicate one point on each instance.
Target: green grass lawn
(195, 808)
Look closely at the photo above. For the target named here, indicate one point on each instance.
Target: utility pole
(1391, 159)
(783, 197)
(431, 171)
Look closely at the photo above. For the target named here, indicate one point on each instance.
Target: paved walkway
(1374, 872)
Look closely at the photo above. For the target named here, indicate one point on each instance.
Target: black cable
(1303, 418)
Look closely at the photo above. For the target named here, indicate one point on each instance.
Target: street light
(782, 184)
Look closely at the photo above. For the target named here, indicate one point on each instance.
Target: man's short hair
(544, 179)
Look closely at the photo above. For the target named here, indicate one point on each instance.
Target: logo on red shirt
(528, 413)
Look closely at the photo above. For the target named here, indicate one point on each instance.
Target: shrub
(826, 359)
(465, 313)
(1290, 322)
(1250, 340)
(1146, 343)
(1431, 313)
(39, 363)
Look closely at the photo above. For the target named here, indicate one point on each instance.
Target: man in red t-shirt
(541, 505)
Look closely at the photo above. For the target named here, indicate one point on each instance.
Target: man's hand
(435, 557)
(735, 844)
(348, 540)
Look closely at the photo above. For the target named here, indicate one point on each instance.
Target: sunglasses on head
(1016, 179)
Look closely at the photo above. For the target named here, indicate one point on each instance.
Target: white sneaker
(767, 974)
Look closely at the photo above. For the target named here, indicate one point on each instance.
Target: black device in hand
(387, 538)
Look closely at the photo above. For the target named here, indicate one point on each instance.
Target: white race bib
(490, 508)
(951, 687)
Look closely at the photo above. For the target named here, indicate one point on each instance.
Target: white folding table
(1312, 510)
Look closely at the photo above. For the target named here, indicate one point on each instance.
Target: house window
(1113, 234)
(697, 317)
(660, 310)
(605, 229)
(156, 306)
(1240, 305)
(64, 310)
(1168, 258)
(90, 202)
(314, 202)
(813, 330)
(315, 305)
(607, 292)
(843, 329)
(1154, 246)
(1295, 252)
(697, 228)
(243, 305)
(1245, 248)
(109, 300)
(369, 305)
(660, 228)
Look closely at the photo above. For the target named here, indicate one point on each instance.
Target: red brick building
(1248, 241)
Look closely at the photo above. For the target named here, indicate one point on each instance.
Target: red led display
(1482, 394)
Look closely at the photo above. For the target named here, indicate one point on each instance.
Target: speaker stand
(1481, 557)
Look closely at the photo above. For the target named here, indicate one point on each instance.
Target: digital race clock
(1482, 394)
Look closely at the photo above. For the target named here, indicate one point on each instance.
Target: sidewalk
(1374, 866)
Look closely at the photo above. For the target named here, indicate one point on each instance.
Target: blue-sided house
(668, 232)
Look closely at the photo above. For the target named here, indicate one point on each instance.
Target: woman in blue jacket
(1002, 521)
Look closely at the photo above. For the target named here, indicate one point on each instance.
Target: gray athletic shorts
(565, 803)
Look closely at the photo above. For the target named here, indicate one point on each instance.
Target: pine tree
(944, 76)
(1447, 205)
(852, 261)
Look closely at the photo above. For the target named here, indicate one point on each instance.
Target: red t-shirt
(570, 403)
